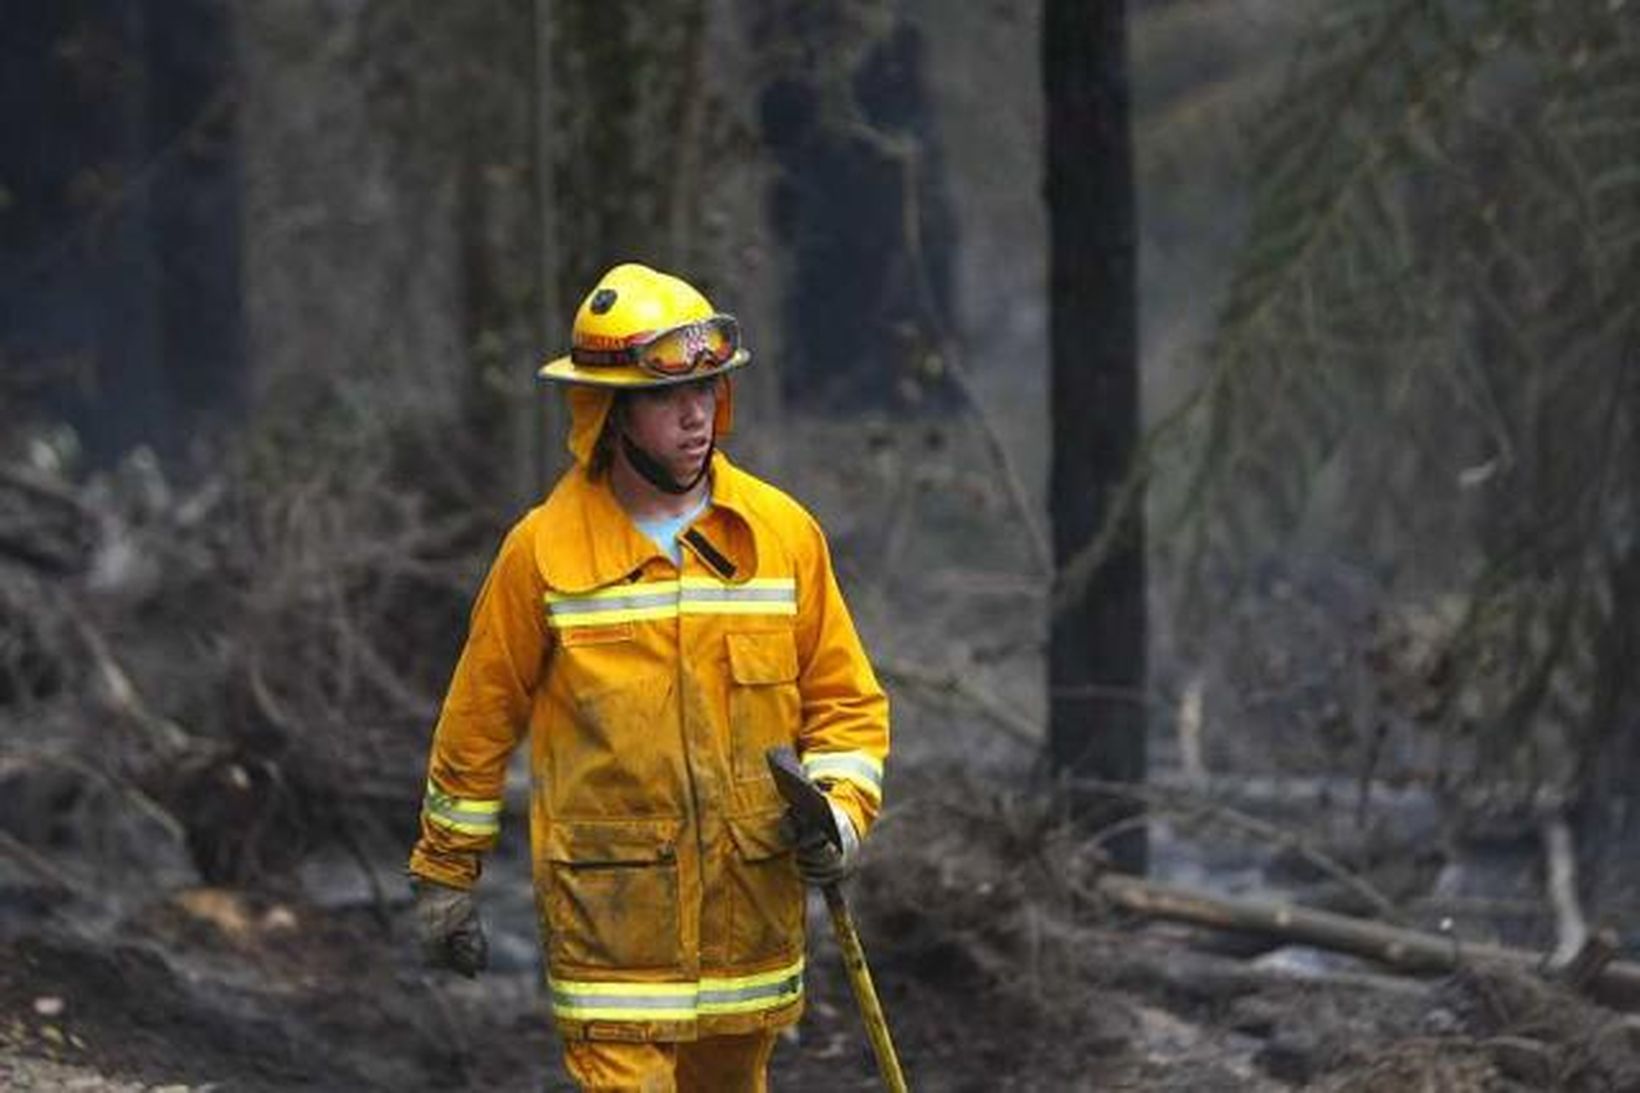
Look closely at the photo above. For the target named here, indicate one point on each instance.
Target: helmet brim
(630, 376)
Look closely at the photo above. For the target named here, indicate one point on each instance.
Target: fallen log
(1397, 947)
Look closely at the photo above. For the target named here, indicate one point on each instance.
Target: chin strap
(658, 476)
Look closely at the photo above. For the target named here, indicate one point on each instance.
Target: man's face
(674, 424)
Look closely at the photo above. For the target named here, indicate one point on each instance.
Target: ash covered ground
(177, 915)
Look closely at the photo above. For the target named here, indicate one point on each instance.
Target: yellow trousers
(716, 1064)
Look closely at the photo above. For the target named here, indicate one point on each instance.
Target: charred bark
(120, 252)
(1097, 659)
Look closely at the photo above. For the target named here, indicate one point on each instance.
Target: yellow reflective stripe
(755, 584)
(858, 768)
(658, 600)
(463, 827)
(468, 815)
(583, 1000)
(615, 592)
(614, 615)
(757, 979)
(733, 607)
(592, 988)
(680, 990)
(593, 1001)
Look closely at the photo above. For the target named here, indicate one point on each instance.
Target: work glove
(819, 860)
(449, 929)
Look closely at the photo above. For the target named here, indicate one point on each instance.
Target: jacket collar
(586, 540)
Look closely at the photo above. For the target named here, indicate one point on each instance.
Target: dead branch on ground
(121, 692)
(40, 867)
(1394, 946)
(70, 761)
(1590, 960)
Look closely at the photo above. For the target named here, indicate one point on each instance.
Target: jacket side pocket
(612, 894)
(765, 893)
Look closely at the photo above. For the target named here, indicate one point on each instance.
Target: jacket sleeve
(485, 714)
(843, 742)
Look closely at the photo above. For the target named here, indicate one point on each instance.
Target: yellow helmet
(639, 327)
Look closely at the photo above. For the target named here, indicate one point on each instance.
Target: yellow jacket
(671, 908)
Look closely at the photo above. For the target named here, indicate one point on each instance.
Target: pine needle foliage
(1431, 334)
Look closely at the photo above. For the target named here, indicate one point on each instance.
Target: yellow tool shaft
(865, 994)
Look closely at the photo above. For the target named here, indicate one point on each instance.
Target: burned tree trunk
(120, 195)
(1097, 657)
(629, 104)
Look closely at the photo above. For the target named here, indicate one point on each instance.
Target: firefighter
(647, 632)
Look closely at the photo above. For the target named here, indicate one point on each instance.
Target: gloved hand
(819, 860)
(449, 929)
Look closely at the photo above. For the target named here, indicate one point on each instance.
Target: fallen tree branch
(1586, 965)
(40, 866)
(1591, 960)
(121, 693)
(36, 557)
(139, 800)
(1394, 946)
(48, 527)
(44, 488)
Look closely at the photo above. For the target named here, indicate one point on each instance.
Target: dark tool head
(808, 802)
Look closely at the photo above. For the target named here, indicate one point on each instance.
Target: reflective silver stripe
(857, 767)
(470, 816)
(606, 1001)
(730, 594)
(633, 602)
(661, 600)
(729, 999)
(758, 596)
(466, 816)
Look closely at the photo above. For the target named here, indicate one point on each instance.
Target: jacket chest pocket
(765, 707)
(611, 896)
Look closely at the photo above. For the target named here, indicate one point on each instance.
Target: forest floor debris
(998, 971)
(212, 736)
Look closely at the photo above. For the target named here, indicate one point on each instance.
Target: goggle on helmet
(642, 328)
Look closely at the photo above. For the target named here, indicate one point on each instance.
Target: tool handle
(865, 994)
